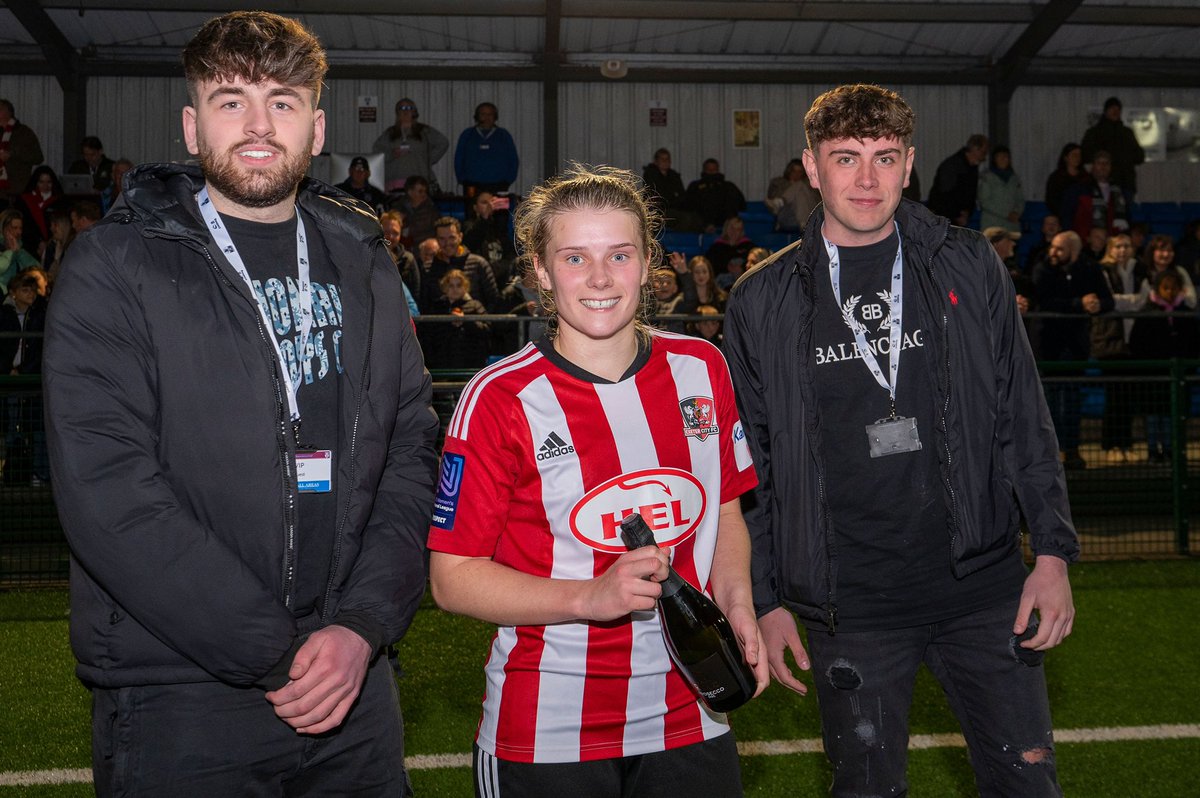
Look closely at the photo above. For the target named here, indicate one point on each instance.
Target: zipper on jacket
(946, 402)
(335, 560)
(822, 505)
(285, 459)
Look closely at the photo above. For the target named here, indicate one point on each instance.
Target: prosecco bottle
(698, 635)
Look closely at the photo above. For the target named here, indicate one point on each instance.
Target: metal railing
(1128, 500)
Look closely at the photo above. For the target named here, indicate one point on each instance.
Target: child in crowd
(1160, 339)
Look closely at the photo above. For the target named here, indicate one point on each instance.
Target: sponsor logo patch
(554, 446)
(445, 504)
(699, 417)
(672, 502)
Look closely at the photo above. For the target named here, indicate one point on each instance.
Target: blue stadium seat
(687, 243)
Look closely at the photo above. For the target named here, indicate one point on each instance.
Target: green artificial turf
(1130, 662)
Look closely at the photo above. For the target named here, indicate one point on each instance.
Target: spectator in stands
(1068, 173)
(709, 329)
(665, 189)
(1068, 283)
(409, 147)
(1051, 226)
(20, 151)
(94, 162)
(427, 252)
(957, 181)
(456, 344)
(1110, 341)
(1096, 244)
(1001, 197)
(42, 196)
(13, 258)
(486, 233)
(108, 197)
(700, 286)
(731, 248)
(1159, 257)
(668, 295)
(1110, 135)
(392, 225)
(792, 198)
(451, 254)
(755, 255)
(485, 158)
(1161, 339)
(419, 210)
(84, 214)
(61, 237)
(356, 184)
(713, 197)
(1187, 253)
(1099, 202)
(1004, 241)
(23, 315)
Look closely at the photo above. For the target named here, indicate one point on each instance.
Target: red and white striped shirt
(541, 463)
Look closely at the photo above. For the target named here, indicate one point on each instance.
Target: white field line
(1103, 734)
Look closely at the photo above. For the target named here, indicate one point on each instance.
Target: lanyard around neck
(895, 305)
(225, 243)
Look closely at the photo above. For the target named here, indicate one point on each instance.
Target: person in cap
(1004, 241)
(358, 186)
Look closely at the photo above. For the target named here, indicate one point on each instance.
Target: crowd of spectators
(1090, 257)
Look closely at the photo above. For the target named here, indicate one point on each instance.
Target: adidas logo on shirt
(554, 446)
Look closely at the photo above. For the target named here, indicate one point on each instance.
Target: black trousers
(210, 739)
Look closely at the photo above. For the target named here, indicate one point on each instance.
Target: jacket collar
(161, 198)
(921, 229)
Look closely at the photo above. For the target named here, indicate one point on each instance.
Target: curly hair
(255, 46)
(858, 111)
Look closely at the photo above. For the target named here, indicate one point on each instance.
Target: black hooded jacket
(173, 455)
(994, 438)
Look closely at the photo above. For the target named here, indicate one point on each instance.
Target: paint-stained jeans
(865, 685)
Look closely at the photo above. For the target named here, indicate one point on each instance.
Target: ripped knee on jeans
(1037, 756)
(843, 675)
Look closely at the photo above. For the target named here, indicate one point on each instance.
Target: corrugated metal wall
(39, 104)
(609, 123)
(138, 118)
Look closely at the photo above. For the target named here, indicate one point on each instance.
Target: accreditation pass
(314, 470)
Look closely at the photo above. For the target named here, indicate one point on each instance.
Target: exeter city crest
(699, 417)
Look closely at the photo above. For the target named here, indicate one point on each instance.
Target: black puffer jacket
(994, 436)
(173, 456)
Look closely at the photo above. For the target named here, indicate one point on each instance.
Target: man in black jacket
(242, 449)
(1112, 136)
(893, 409)
(1068, 282)
(956, 182)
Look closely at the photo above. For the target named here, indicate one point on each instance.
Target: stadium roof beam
(1015, 63)
(63, 62)
(765, 10)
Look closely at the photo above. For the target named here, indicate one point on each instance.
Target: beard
(255, 188)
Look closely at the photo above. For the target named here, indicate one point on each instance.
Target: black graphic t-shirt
(269, 253)
(891, 524)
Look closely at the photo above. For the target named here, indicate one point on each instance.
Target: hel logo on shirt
(672, 502)
(699, 417)
(445, 504)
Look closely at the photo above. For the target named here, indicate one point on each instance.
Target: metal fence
(1139, 450)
